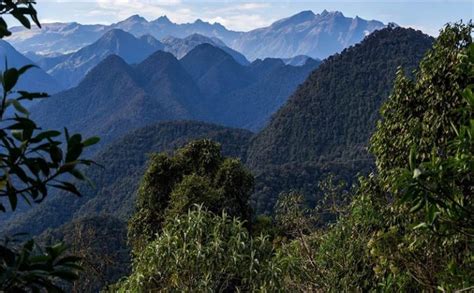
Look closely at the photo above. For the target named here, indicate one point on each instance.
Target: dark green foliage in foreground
(20, 10)
(196, 174)
(61, 215)
(100, 243)
(29, 267)
(203, 252)
(32, 161)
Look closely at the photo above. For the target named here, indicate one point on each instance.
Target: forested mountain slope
(116, 97)
(109, 102)
(123, 164)
(326, 123)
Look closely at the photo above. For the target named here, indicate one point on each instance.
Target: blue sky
(429, 16)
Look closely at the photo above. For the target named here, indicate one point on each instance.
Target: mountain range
(306, 33)
(71, 68)
(207, 84)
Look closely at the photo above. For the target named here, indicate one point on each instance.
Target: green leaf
(21, 18)
(412, 158)
(10, 78)
(25, 68)
(19, 107)
(420, 226)
(91, 141)
(56, 154)
(76, 173)
(47, 134)
(13, 199)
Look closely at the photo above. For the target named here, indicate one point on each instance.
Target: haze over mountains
(70, 69)
(306, 33)
(207, 84)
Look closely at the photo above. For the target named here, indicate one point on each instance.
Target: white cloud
(242, 22)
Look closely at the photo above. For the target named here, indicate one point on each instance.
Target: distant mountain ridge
(305, 33)
(71, 68)
(180, 47)
(68, 37)
(207, 84)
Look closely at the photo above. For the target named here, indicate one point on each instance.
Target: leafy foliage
(409, 227)
(20, 10)
(125, 161)
(196, 174)
(31, 162)
(28, 267)
(100, 244)
(201, 251)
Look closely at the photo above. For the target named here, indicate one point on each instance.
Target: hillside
(108, 102)
(327, 122)
(124, 163)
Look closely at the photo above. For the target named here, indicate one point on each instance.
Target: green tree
(409, 226)
(196, 174)
(427, 170)
(32, 160)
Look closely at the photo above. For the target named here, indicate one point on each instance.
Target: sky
(428, 16)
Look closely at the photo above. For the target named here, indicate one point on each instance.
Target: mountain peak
(200, 21)
(300, 17)
(326, 13)
(162, 20)
(135, 18)
(115, 33)
(113, 60)
(159, 57)
(303, 15)
(207, 48)
(112, 63)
